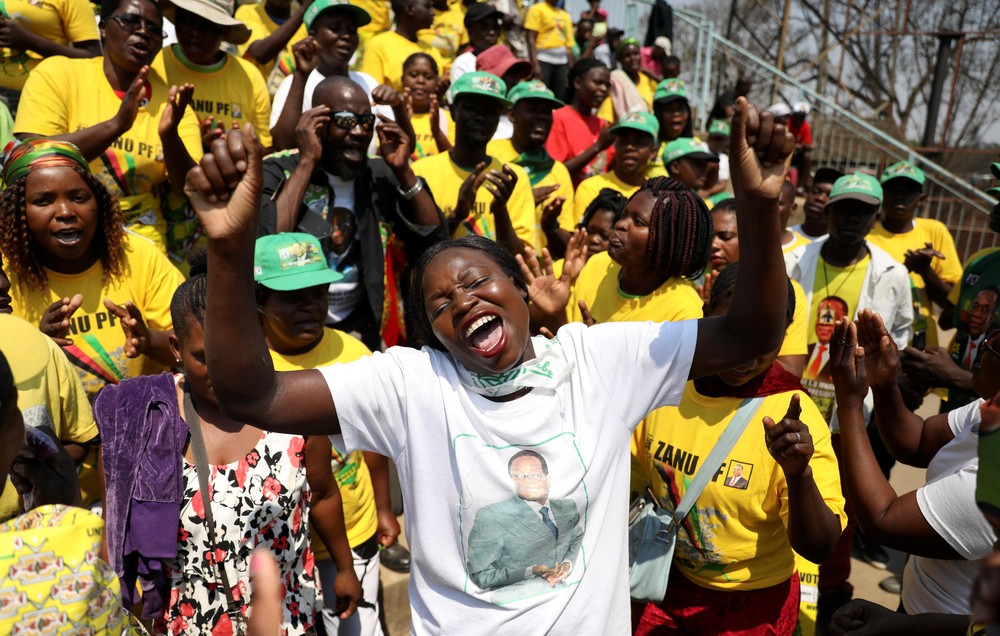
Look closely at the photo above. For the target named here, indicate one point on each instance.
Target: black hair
(680, 229)
(188, 302)
(607, 199)
(688, 127)
(418, 56)
(726, 206)
(578, 70)
(527, 453)
(725, 283)
(671, 60)
(496, 252)
(8, 388)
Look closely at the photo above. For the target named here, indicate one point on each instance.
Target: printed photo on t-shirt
(738, 475)
(817, 377)
(523, 516)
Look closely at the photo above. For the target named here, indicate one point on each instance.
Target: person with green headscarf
(632, 88)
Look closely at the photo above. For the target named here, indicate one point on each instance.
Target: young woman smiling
(454, 414)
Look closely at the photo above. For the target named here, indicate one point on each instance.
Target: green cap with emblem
(687, 147)
(903, 170)
(319, 6)
(644, 122)
(532, 89)
(719, 127)
(479, 83)
(859, 187)
(669, 90)
(290, 261)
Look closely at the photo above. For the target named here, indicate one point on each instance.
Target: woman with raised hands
(498, 436)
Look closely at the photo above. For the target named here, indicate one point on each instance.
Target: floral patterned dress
(260, 500)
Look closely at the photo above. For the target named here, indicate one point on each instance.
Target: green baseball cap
(858, 186)
(995, 169)
(687, 147)
(290, 261)
(669, 90)
(319, 6)
(479, 83)
(719, 197)
(532, 89)
(719, 127)
(644, 122)
(903, 170)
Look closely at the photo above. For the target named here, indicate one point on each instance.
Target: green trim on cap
(857, 186)
(319, 6)
(719, 127)
(532, 89)
(903, 170)
(687, 147)
(479, 83)
(671, 88)
(643, 122)
(291, 261)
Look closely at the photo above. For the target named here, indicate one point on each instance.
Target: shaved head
(341, 93)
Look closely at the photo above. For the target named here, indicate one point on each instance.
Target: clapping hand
(137, 337)
(56, 319)
(880, 354)
(919, 261)
(847, 365)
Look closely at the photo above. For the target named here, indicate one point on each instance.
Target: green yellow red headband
(624, 43)
(21, 157)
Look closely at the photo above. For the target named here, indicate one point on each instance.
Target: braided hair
(415, 306)
(725, 284)
(188, 302)
(607, 199)
(680, 229)
(21, 251)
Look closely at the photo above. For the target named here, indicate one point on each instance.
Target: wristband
(412, 192)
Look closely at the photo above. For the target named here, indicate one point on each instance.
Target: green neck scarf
(537, 163)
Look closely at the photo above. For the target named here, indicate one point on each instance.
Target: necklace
(826, 277)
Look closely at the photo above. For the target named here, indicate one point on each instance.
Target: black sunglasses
(347, 120)
(130, 23)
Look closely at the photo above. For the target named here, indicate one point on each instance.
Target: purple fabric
(142, 445)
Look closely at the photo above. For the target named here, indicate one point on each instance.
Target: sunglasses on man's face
(347, 120)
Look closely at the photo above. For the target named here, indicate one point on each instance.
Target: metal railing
(841, 138)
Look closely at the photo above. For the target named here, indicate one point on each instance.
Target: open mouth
(486, 335)
(68, 237)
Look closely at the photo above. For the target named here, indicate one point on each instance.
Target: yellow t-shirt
(426, 145)
(261, 25)
(736, 535)
(590, 187)
(235, 92)
(835, 294)
(445, 177)
(503, 150)
(385, 53)
(381, 21)
(352, 474)
(647, 88)
(949, 268)
(54, 578)
(447, 35)
(597, 285)
(797, 241)
(61, 21)
(149, 281)
(66, 95)
(796, 343)
(553, 26)
(48, 390)
(606, 111)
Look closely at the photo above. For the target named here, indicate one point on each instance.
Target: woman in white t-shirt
(938, 524)
(512, 451)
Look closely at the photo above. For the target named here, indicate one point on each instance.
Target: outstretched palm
(224, 188)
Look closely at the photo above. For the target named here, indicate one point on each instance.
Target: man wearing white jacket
(841, 275)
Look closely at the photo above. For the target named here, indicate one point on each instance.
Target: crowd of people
(269, 268)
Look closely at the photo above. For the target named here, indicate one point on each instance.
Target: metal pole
(696, 73)
(824, 42)
(780, 62)
(937, 87)
(706, 80)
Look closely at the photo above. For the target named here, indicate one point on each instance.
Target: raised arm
(908, 437)
(755, 323)
(889, 519)
(224, 190)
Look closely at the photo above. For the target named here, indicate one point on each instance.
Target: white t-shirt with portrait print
(452, 447)
(948, 502)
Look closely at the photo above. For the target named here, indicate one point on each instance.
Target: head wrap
(625, 42)
(21, 157)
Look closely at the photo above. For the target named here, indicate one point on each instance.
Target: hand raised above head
(224, 188)
(847, 364)
(759, 152)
